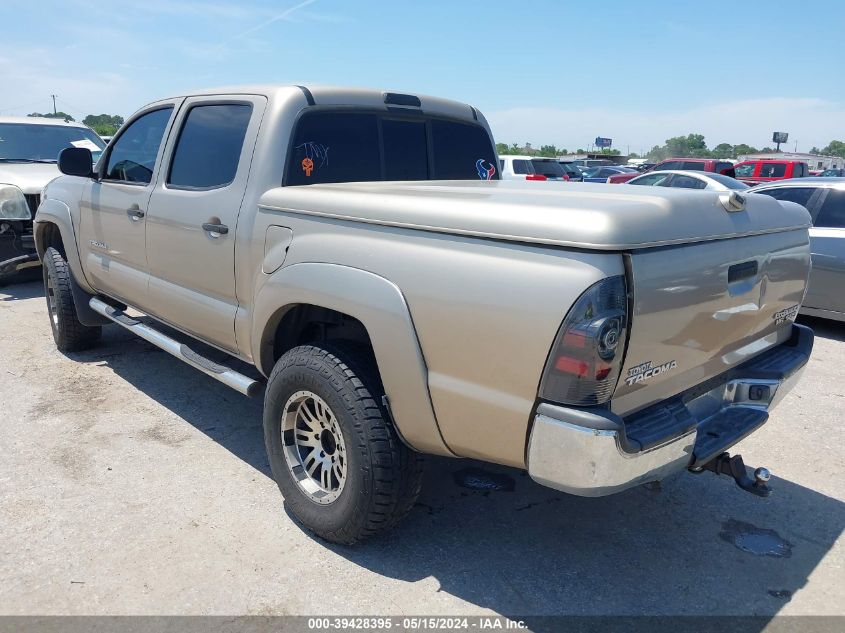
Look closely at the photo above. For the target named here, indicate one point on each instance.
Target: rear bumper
(593, 452)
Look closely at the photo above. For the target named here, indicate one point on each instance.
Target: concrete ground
(131, 484)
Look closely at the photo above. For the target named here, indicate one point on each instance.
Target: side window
(334, 147)
(651, 179)
(745, 171)
(672, 164)
(133, 155)
(462, 151)
(209, 146)
(801, 195)
(520, 166)
(832, 212)
(687, 182)
(405, 150)
(692, 165)
(772, 170)
(722, 166)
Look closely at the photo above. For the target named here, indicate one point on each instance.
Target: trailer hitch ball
(734, 467)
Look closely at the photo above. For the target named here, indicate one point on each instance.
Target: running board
(227, 376)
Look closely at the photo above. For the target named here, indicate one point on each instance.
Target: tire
(325, 400)
(68, 333)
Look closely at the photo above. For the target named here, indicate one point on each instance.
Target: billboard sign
(780, 137)
(603, 142)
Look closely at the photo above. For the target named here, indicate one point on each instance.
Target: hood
(579, 215)
(30, 177)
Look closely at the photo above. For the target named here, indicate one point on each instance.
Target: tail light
(587, 355)
(566, 177)
(535, 177)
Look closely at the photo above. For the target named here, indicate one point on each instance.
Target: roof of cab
(40, 120)
(338, 95)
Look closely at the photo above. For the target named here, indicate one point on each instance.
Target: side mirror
(76, 161)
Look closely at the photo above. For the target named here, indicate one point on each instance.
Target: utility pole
(54, 103)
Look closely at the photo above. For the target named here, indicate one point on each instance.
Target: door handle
(215, 230)
(134, 212)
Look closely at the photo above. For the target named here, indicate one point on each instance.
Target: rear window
(832, 212)
(360, 147)
(730, 183)
(548, 168)
(772, 170)
(521, 166)
(692, 165)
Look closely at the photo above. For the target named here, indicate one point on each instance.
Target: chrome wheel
(313, 446)
(51, 301)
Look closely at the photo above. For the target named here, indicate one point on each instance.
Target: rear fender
(380, 306)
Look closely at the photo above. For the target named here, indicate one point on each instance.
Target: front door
(113, 207)
(193, 213)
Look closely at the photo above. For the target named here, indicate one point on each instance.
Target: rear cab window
(342, 146)
(693, 165)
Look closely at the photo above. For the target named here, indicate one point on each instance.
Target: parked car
(597, 341)
(824, 198)
(689, 180)
(515, 167)
(685, 164)
(572, 170)
(832, 173)
(601, 174)
(754, 172)
(29, 149)
(586, 163)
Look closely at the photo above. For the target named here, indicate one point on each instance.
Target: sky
(547, 72)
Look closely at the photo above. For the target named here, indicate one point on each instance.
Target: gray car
(824, 198)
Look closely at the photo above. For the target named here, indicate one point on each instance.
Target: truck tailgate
(702, 308)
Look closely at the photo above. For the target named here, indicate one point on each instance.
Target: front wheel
(68, 333)
(337, 459)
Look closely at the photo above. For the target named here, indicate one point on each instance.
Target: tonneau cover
(579, 215)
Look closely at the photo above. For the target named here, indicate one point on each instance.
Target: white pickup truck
(358, 248)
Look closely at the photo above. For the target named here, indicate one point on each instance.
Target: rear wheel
(336, 457)
(68, 333)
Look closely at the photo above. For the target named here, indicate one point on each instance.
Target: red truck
(753, 172)
(694, 164)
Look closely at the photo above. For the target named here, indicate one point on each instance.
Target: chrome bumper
(593, 452)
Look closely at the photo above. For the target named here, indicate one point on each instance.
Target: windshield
(730, 183)
(548, 168)
(42, 143)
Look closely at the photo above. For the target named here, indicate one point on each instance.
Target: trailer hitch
(733, 466)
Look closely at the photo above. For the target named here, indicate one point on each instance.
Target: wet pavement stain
(758, 541)
(485, 481)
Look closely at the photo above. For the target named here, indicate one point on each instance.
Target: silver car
(688, 179)
(824, 198)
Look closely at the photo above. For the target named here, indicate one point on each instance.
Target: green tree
(58, 115)
(835, 148)
(742, 150)
(548, 150)
(103, 124)
(502, 148)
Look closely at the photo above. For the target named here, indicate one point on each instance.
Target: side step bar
(227, 376)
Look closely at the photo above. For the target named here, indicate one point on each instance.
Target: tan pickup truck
(358, 248)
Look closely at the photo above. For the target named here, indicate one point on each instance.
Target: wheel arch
(53, 226)
(361, 306)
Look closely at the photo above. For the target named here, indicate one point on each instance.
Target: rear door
(113, 208)
(827, 239)
(193, 214)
